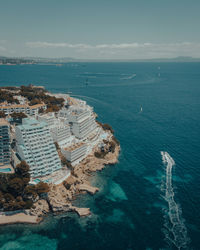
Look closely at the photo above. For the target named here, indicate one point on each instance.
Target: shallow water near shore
(129, 211)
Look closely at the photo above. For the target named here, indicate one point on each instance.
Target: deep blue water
(130, 211)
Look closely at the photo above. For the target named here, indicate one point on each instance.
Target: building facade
(75, 152)
(35, 145)
(82, 122)
(24, 108)
(5, 151)
(59, 127)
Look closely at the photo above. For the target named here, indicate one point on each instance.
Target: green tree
(9, 197)
(2, 199)
(41, 111)
(16, 186)
(115, 140)
(30, 193)
(108, 127)
(18, 116)
(112, 147)
(34, 102)
(2, 114)
(42, 188)
(22, 169)
(28, 204)
(4, 182)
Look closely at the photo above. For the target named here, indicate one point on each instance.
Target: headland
(74, 142)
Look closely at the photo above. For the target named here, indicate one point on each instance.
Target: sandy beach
(19, 218)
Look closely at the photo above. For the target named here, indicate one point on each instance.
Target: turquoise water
(5, 170)
(132, 210)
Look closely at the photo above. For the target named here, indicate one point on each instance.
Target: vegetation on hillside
(38, 95)
(15, 191)
(109, 147)
(106, 126)
(7, 96)
(115, 140)
(17, 117)
(2, 114)
(34, 102)
(34, 96)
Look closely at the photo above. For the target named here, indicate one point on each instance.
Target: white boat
(167, 158)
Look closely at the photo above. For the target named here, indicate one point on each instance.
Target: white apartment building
(82, 121)
(63, 113)
(61, 133)
(49, 118)
(25, 108)
(75, 152)
(5, 151)
(59, 128)
(35, 145)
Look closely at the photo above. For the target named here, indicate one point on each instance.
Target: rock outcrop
(60, 196)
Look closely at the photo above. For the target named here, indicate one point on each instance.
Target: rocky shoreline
(60, 196)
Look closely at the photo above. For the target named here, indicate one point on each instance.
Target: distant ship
(141, 109)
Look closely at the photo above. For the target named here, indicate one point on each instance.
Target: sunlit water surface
(152, 107)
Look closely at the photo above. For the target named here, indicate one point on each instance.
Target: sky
(100, 29)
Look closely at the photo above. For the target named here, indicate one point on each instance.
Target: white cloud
(124, 50)
(57, 45)
(86, 46)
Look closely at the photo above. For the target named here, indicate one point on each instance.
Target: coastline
(60, 196)
(19, 218)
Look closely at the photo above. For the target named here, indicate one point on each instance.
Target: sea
(151, 198)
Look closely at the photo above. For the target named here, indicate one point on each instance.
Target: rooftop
(21, 106)
(39, 105)
(3, 122)
(13, 106)
(28, 123)
(47, 115)
(74, 146)
(72, 101)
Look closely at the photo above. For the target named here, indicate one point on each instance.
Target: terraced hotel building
(59, 128)
(82, 122)
(35, 145)
(5, 153)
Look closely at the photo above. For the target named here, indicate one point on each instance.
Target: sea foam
(174, 228)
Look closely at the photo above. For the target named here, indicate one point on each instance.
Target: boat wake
(174, 228)
(128, 77)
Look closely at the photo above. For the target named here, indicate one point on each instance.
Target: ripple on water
(148, 212)
(152, 179)
(33, 241)
(116, 192)
(159, 205)
(116, 216)
(187, 178)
